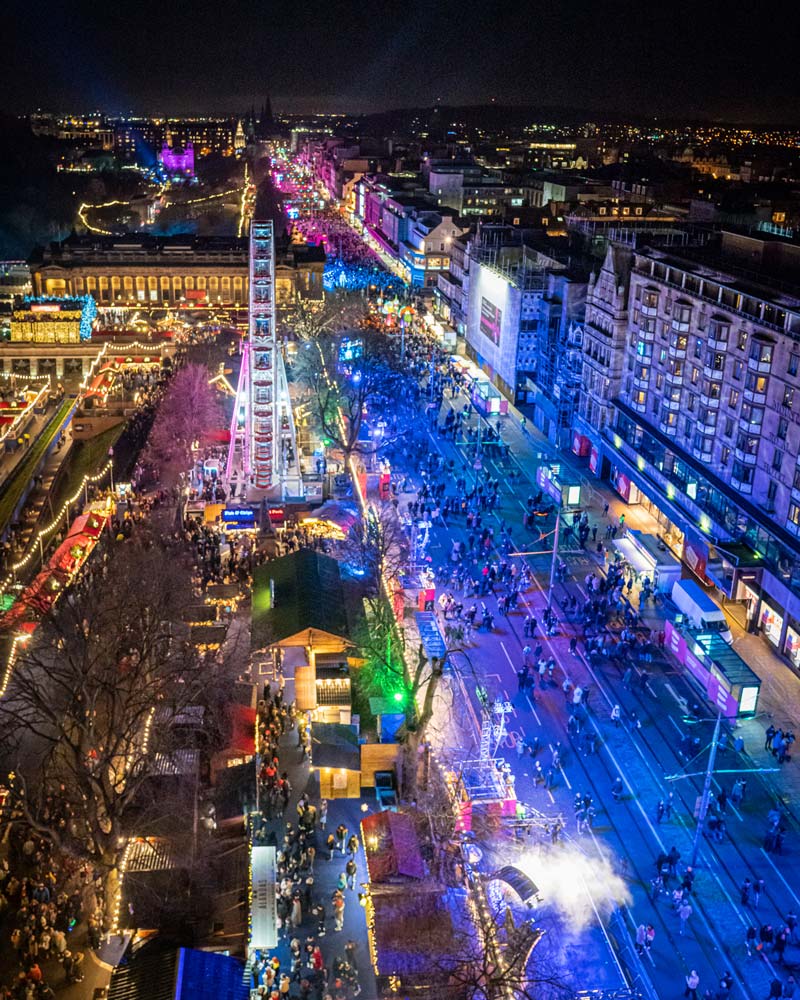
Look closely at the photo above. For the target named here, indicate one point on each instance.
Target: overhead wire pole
(553, 561)
(709, 775)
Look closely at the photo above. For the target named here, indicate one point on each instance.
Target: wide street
(597, 886)
(614, 857)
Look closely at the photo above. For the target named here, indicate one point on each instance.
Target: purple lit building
(178, 161)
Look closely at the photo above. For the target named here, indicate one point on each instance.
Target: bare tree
(390, 668)
(308, 320)
(378, 545)
(80, 723)
(495, 955)
(361, 406)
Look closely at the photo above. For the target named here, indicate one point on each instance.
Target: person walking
(338, 910)
(781, 941)
(616, 715)
(684, 913)
(660, 810)
(341, 838)
(750, 936)
(692, 982)
(350, 871)
(323, 814)
(775, 989)
(758, 888)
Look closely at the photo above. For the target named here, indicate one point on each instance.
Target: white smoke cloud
(575, 884)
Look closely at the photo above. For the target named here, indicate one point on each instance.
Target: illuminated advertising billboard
(491, 320)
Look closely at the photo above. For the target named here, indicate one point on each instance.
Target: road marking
(503, 647)
(675, 724)
(682, 702)
(778, 873)
(535, 714)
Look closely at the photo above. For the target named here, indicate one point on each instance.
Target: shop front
(626, 488)
(791, 645)
(764, 615)
(649, 557)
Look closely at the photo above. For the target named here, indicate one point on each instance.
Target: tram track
(714, 948)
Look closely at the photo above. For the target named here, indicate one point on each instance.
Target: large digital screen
(491, 319)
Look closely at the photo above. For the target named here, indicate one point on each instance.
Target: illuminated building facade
(178, 160)
(701, 426)
(92, 131)
(54, 321)
(166, 271)
(159, 271)
(134, 138)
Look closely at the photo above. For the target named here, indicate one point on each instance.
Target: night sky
(688, 59)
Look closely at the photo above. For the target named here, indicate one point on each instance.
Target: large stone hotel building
(167, 271)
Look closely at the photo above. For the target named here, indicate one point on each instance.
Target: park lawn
(16, 485)
(85, 459)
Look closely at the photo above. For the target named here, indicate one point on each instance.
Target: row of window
(720, 295)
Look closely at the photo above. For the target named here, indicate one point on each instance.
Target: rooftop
(298, 593)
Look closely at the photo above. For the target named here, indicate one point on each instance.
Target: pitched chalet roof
(392, 847)
(297, 592)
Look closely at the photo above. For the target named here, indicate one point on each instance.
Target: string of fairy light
(45, 532)
(87, 480)
(85, 206)
(21, 417)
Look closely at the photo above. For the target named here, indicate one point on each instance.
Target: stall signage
(277, 515)
(239, 515)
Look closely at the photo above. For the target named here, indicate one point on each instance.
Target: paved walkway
(304, 779)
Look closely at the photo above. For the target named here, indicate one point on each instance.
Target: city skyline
(667, 60)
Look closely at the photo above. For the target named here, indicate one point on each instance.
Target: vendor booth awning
(336, 515)
(243, 738)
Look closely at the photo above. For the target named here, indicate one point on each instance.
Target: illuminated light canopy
(340, 273)
(54, 320)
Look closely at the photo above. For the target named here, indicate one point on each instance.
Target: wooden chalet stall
(304, 612)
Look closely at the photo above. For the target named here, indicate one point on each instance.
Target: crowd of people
(298, 967)
(326, 227)
(43, 896)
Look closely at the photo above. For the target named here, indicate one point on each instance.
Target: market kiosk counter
(649, 556)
